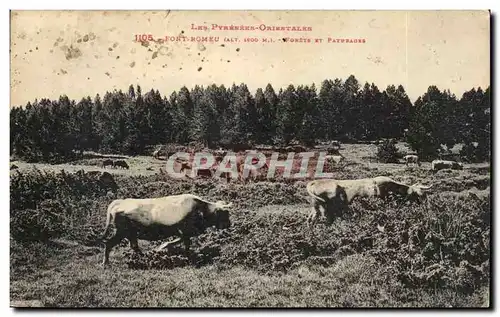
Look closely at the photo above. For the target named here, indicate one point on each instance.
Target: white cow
(330, 197)
(442, 164)
(184, 215)
(411, 159)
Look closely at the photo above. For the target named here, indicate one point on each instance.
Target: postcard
(250, 159)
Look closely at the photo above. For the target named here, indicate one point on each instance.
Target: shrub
(46, 205)
(475, 153)
(387, 152)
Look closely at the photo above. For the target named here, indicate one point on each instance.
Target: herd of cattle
(436, 165)
(188, 215)
(255, 174)
(115, 164)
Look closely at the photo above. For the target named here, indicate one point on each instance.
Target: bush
(46, 205)
(387, 152)
(475, 153)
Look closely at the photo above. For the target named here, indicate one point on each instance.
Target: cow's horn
(425, 187)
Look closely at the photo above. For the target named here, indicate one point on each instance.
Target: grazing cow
(254, 174)
(104, 178)
(184, 215)
(330, 197)
(158, 152)
(203, 172)
(219, 158)
(220, 152)
(298, 148)
(411, 159)
(224, 175)
(442, 164)
(107, 163)
(335, 158)
(121, 164)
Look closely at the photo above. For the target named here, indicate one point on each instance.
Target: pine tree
(309, 122)
(286, 129)
(264, 122)
(271, 100)
(206, 130)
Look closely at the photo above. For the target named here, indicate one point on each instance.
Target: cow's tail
(309, 189)
(106, 229)
(109, 216)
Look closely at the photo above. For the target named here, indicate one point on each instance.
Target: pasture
(383, 254)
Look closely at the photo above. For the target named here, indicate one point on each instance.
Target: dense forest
(131, 122)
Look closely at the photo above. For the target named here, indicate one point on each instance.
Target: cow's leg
(166, 244)
(134, 244)
(110, 244)
(343, 209)
(187, 244)
(330, 213)
(314, 214)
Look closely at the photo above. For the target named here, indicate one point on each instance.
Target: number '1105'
(143, 37)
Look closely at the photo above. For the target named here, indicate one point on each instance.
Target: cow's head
(418, 192)
(221, 214)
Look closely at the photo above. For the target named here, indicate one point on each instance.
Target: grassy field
(431, 255)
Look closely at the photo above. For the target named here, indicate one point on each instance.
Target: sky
(84, 53)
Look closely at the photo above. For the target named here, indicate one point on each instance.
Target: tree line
(131, 122)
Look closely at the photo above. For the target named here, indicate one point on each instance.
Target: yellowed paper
(88, 52)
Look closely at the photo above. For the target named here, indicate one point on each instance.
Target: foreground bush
(46, 205)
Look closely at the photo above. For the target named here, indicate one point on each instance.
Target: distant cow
(220, 152)
(107, 179)
(184, 215)
(107, 163)
(335, 158)
(442, 164)
(298, 148)
(330, 197)
(104, 178)
(253, 174)
(411, 159)
(203, 172)
(121, 164)
(219, 158)
(159, 152)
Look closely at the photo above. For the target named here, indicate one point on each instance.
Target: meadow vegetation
(381, 254)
